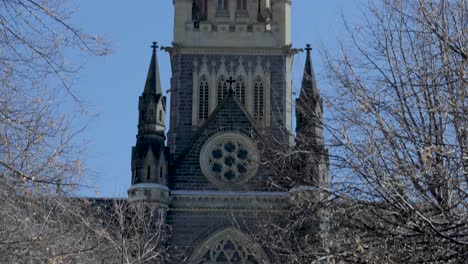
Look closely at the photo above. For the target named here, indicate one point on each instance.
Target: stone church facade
(230, 89)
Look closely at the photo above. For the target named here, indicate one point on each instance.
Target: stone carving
(220, 69)
(229, 159)
(228, 246)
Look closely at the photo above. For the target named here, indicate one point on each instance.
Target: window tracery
(222, 89)
(203, 99)
(222, 8)
(241, 4)
(229, 159)
(228, 251)
(228, 246)
(222, 4)
(258, 99)
(240, 90)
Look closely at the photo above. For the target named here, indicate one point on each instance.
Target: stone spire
(153, 81)
(149, 160)
(309, 127)
(309, 105)
(309, 84)
(152, 104)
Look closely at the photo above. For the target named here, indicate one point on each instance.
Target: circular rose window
(229, 159)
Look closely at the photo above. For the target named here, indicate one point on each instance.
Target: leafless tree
(398, 148)
(133, 233)
(39, 160)
(400, 124)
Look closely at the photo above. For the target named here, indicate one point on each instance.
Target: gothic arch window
(148, 173)
(222, 89)
(161, 172)
(240, 90)
(203, 99)
(203, 9)
(258, 99)
(241, 4)
(151, 114)
(228, 246)
(222, 4)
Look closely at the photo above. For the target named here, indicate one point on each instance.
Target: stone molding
(151, 192)
(185, 200)
(149, 185)
(217, 201)
(284, 51)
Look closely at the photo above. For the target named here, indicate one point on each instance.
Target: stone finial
(153, 82)
(154, 46)
(308, 49)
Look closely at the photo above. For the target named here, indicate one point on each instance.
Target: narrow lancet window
(148, 173)
(258, 100)
(241, 4)
(240, 91)
(203, 99)
(222, 89)
(222, 4)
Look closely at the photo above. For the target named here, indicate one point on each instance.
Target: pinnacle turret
(309, 106)
(309, 84)
(153, 81)
(309, 127)
(152, 104)
(149, 155)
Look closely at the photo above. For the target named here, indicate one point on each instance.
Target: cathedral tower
(230, 89)
(214, 40)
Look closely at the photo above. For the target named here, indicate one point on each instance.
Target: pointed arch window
(148, 173)
(240, 90)
(228, 246)
(203, 99)
(241, 4)
(199, 9)
(222, 89)
(222, 4)
(258, 99)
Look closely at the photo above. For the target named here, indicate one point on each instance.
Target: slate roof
(228, 99)
(145, 144)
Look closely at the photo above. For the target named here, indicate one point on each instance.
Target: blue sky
(111, 85)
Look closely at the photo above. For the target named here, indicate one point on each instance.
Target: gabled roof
(143, 146)
(231, 97)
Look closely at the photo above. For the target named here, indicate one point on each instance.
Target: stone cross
(230, 81)
(308, 48)
(155, 45)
